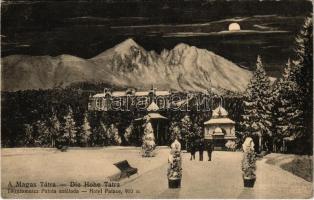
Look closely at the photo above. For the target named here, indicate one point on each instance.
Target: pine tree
(68, 129)
(54, 128)
(85, 131)
(128, 133)
(257, 103)
(186, 130)
(29, 139)
(100, 135)
(304, 79)
(198, 131)
(43, 134)
(287, 115)
(148, 145)
(304, 58)
(113, 135)
(175, 131)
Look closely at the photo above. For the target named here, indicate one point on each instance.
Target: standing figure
(201, 147)
(192, 150)
(209, 149)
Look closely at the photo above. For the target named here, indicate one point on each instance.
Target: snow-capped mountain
(184, 68)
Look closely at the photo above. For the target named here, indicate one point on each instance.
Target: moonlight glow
(234, 27)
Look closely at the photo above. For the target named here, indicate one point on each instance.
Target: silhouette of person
(192, 150)
(201, 149)
(209, 149)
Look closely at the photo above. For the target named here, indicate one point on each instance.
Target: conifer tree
(148, 145)
(54, 128)
(186, 130)
(43, 133)
(100, 135)
(128, 133)
(29, 139)
(175, 131)
(304, 58)
(68, 130)
(287, 115)
(257, 103)
(304, 78)
(113, 135)
(85, 131)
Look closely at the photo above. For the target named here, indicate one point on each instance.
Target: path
(221, 178)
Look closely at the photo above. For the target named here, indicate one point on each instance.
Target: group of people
(201, 146)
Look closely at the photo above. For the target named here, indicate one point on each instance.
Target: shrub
(175, 165)
(148, 145)
(128, 133)
(113, 135)
(249, 165)
(231, 145)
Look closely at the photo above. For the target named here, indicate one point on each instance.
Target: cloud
(241, 32)
(271, 46)
(262, 27)
(236, 19)
(87, 18)
(264, 16)
(23, 45)
(103, 19)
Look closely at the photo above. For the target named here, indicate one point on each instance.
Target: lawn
(299, 165)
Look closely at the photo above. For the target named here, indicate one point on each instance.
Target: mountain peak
(124, 48)
(181, 46)
(126, 45)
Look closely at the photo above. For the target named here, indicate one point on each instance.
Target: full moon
(234, 27)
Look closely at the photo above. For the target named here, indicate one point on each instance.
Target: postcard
(136, 99)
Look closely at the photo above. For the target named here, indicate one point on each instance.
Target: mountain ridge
(183, 68)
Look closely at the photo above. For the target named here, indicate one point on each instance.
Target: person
(192, 150)
(209, 148)
(201, 149)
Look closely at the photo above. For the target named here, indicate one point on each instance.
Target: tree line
(282, 112)
(60, 116)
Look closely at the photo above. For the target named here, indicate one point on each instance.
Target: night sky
(87, 28)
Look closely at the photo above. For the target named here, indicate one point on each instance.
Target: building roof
(156, 116)
(219, 112)
(152, 107)
(118, 93)
(132, 92)
(224, 120)
(100, 95)
(162, 93)
(141, 93)
(113, 94)
(152, 116)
